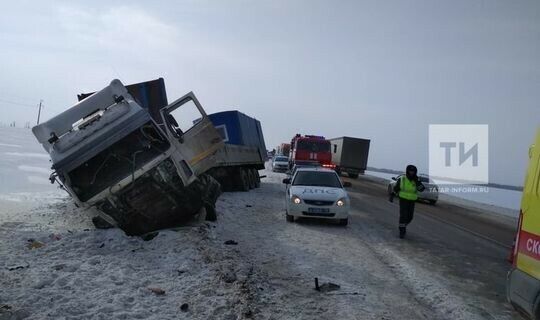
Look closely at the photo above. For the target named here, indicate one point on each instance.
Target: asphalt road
(466, 246)
(452, 265)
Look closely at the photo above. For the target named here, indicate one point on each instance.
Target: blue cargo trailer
(244, 153)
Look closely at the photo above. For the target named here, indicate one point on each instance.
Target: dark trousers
(406, 212)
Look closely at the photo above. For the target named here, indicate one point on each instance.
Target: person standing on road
(406, 189)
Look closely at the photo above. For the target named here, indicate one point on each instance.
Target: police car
(317, 193)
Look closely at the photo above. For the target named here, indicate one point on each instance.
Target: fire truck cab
(310, 148)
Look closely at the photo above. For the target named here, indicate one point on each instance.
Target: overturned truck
(142, 170)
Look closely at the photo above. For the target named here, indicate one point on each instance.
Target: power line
(18, 103)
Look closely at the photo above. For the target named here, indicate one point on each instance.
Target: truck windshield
(317, 179)
(117, 162)
(314, 146)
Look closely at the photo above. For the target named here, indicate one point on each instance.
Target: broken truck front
(108, 152)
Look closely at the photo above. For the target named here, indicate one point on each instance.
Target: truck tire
(243, 180)
(257, 178)
(251, 178)
(344, 222)
(353, 175)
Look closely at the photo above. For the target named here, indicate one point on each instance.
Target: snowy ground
(77, 272)
(55, 265)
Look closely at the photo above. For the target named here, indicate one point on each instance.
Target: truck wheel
(251, 178)
(432, 202)
(344, 222)
(243, 180)
(257, 178)
(353, 175)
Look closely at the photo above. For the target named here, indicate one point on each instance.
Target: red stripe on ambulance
(529, 244)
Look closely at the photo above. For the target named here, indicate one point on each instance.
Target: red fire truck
(310, 148)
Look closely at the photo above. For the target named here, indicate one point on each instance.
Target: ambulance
(523, 280)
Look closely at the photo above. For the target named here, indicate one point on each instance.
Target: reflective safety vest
(407, 189)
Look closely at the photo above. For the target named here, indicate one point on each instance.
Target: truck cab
(107, 152)
(523, 281)
(310, 148)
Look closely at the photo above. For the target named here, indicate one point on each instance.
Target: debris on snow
(326, 287)
(34, 244)
(184, 307)
(157, 291)
(20, 266)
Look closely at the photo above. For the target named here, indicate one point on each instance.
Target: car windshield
(314, 146)
(317, 178)
(281, 159)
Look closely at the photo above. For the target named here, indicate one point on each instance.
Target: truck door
(186, 121)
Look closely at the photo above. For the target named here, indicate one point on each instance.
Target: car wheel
(344, 222)
(289, 218)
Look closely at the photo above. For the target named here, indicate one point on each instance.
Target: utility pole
(39, 111)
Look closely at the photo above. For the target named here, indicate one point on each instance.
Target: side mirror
(286, 181)
(347, 184)
(394, 178)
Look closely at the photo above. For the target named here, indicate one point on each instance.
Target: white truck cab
(108, 152)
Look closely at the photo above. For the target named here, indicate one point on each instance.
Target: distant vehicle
(280, 164)
(430, 194)
(523, 280)
(350, 155)
(310, 148)
(283, 149)
(316, 193)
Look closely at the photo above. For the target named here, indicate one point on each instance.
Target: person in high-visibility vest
(406, 189)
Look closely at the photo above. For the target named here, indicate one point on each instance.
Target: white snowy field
(501, 201)
(55, 265)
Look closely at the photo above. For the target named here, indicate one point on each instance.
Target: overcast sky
(382, 70)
